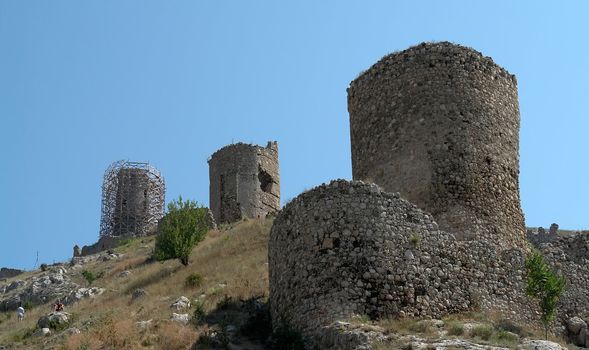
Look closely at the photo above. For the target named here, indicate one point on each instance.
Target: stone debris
(181, 303)
(83, 293)
(53, 319)
(143, 325)
(578, 331)
(42, 332)
(124, 274)
(180, 318)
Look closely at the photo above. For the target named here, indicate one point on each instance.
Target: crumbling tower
(133, 196)
(439, 123)
(244, 181)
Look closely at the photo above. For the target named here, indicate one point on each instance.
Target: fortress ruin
(244, 182)
(439, 123)
(133, 196)
(435, 226)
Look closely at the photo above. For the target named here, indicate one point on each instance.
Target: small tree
(542, 283)
(183, 226)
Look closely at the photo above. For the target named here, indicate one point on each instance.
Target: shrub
(415, 239)
(199, 314)
(508, 326)
(28, 305)
(43, 267)
(506, 337)
(482, 331)
(183, 226)
(193, 280)
(90, 277)
(456, 329)
(286, 338)
(543, 284)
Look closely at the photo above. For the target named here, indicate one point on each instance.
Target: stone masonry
(244, 182)
(437, 227)
(349, 248)
(439, 123)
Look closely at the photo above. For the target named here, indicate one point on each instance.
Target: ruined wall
(569, 256)
(439, 123)
(349, 248)
(244, 182)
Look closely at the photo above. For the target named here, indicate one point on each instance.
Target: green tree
(545, 285)
(183, 226)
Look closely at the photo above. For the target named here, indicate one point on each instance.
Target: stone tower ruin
(244, 181)
(133, 196)
(439, 123)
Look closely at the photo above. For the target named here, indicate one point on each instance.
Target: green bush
(199, 314)
(90, 277)
(183, 226)
(43, 267)
(543, 284)
(28, 305)
(193, 280)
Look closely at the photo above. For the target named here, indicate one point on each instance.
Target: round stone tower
(133, 196)
(439, 123)
(244, 182)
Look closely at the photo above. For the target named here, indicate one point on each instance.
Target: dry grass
(232, 262)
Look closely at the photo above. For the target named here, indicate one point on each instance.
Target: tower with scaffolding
(133, 197)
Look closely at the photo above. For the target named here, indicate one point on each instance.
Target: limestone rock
(540, 345)
(42, 332)
(83, 293)
(143, 325)
(181, 303)
(180, 318)
(53, 319)
(124, 274)
(575, 324)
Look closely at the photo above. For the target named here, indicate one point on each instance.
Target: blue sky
(85, 83)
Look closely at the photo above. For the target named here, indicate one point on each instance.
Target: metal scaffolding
(133, 197)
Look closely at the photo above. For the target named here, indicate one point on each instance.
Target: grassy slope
(232, 262)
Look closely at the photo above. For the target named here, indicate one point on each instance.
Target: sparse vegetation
(183, 226)
(415, 239)
(43, 267)
(193, 280)
(543, 284)
(90, 277)
(483, 332)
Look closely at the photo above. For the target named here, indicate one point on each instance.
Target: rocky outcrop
(6, 272)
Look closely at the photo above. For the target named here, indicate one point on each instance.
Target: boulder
(181, 303)
(15, 285)
(124, 274)
(42, 332)
(143, 325)
(53, 320)
(180, 318)
(540, 345)
(82, 293)
(575, 324)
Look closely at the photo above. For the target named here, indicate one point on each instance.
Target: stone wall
(569, 256)
(439, 123)
(349, 248)
(244, 182)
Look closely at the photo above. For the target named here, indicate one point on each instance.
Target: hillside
(231, 263)
(228, 289)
